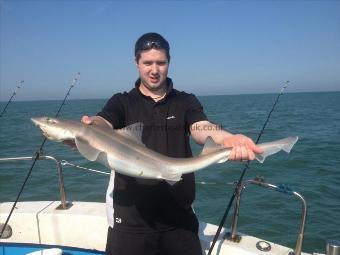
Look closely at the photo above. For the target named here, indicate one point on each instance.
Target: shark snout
(42, 121)
(36, 121)
(47, 126)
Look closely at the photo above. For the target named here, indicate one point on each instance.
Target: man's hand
(96, 120)
(88, 120)
(243, 148)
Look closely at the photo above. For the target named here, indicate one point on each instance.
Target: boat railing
(64, 204)
(233, 236)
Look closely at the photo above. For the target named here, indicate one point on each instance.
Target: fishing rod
(37, 155)
(10, 100)
(239, 182)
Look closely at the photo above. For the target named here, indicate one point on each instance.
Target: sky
(217, 47)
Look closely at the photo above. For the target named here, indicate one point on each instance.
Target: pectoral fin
(86, 149)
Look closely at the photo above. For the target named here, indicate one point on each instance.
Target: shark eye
(51, 121)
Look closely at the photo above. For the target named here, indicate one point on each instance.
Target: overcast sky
(217, 47)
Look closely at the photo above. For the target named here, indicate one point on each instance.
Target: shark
(123, 150)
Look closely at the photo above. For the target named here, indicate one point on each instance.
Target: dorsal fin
(133, 132)
(210, 146)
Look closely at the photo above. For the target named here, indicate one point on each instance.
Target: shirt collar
(169, 88)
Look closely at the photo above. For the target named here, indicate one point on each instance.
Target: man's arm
(243, 148)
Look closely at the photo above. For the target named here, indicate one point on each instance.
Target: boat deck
(84, 225)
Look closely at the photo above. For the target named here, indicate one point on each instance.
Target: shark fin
(86, 149)
(133, 132)
(271, 148)
(210, 146)
(173, 178)
(171, 182)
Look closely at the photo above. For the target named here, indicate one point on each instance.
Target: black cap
(150, 41)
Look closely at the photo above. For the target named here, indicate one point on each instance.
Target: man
(151, 216)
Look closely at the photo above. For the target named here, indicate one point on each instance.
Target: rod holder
(232, 236)
(333, 247)
(64, 205)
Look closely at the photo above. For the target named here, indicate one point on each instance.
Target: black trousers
(173, 242)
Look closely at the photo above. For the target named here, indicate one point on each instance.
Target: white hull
(84, 225)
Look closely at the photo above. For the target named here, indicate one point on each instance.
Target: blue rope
(284, 189)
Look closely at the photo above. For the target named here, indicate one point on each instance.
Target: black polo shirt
(142, 205)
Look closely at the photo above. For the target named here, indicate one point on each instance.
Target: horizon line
(209, 95)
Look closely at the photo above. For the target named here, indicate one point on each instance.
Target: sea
(312, 168)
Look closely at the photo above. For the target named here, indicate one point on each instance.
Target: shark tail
(271, 148)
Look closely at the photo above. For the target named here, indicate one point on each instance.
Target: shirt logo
(171, 117)
(118, 220)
